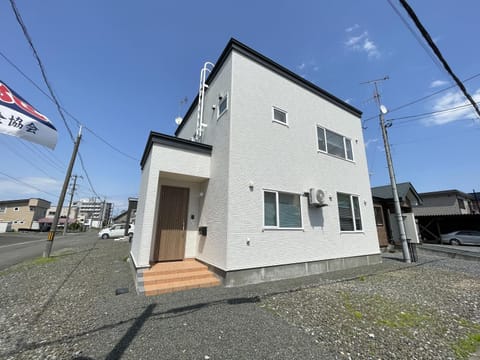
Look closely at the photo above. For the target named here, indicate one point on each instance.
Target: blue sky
(122, 68)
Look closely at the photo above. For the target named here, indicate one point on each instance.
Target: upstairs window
(16, 209)
(280, 116)
(334, 144)
(222, 104)
(349, 212)
(3, 210)
(461, 204)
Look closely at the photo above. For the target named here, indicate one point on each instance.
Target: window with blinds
(334, 144)
(281, 210)
(349, 212)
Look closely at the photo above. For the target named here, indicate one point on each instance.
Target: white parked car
(116, 230)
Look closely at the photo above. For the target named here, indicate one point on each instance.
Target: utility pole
(70, 203)
(51, 234)
(102, 213)
(393, 182)
(476, 200)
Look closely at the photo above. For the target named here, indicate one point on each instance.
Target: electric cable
(29, 185)
(438, 53)
(40, 64)
(28, 161)
(415, 35)
(78, 123)
(423, 97)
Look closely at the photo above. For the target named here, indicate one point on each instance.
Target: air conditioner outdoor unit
(317, 197)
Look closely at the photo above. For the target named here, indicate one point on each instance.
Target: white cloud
(370, 141)
(351, 28)
(11, 190)
(364, 44)
(301, 66)
(354, 40)
(438, 83)
(452, 99)
(370, 48)
(348, 101)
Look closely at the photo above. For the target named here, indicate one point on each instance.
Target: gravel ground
(425, 311)
(67, 309)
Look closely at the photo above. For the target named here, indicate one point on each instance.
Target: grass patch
(403, 319)
(43, 260)
(466, 346)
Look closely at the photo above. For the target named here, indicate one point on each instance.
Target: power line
(26, 184)
(432, 112)
(423, 97)
(419, 40)
(78, 122)
(439, 55)
(110, 145)
(55, 164)
(86, 175)
(40, 64)
(28, 161)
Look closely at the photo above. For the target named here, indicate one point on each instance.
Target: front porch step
(157, 289)
(173, 276)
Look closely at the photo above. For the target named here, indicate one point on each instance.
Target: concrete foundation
(271, 273)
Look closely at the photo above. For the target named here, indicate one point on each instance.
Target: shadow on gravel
(137, 324)
(125, 341)
(44, 307)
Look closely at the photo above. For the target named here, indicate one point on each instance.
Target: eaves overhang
(173, 142)
(235, 45)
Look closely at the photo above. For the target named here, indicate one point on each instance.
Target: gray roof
(385, 192)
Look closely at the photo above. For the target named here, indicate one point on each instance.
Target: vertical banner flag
(19, 118)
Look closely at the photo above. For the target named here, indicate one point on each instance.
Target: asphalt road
(18, 247)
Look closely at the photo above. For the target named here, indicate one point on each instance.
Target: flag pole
(58, 211)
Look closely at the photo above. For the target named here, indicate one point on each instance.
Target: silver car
(463, 237)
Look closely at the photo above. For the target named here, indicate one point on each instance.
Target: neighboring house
(446, 202)
(72, 214)
(238, 196)
(47, 221)
(129, 215)
(23, 213)
(384, 209)
(446, 211)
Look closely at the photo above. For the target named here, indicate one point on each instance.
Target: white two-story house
(265, 178)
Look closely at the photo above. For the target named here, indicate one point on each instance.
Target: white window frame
(277, 208)
(344, 157)
(355, 230)
(223, 98)
(278, 121)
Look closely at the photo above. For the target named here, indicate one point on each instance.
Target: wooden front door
(172, 224)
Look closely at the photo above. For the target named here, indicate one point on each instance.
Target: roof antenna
(179, 119)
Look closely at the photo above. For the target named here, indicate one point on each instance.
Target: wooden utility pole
(70, 203)
(51, 234)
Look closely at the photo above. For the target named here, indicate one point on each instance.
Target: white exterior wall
(163, 159)
(277, 157)
(214, 212)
